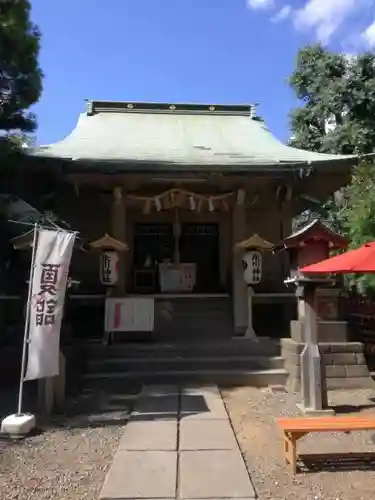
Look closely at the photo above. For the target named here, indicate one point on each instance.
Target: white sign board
(177, 277)
(129, 315)
(51, 268)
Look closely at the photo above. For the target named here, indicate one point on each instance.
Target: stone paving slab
(208, 463)
(207, 435)
(204, 390)
(160, 390)
(202, 406)
(213, 474)
(155, 407)
(153, 435)
(141, 475)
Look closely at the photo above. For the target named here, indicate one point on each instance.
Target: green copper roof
(176, 134)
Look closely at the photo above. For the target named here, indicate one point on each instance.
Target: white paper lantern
(252, 261)
(109, 268)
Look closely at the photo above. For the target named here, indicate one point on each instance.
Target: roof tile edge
(95, 107)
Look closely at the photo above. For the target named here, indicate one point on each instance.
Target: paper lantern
(109, 261)
(252, 261)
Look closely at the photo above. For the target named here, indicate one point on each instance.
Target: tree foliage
(337, 115)
(338, 102)
(20, 88)
(20, 74)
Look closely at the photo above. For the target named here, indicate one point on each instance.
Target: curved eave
(109, 166)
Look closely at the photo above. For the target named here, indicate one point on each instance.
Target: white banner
(51, 268)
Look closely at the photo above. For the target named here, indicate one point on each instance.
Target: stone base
(310, 412)
(328, 331)
(345, 365)
(18, 425)
(239, 331)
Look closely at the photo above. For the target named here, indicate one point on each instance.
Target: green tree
(338, 102)
(337, 115)
(20, 74)
(20, 88)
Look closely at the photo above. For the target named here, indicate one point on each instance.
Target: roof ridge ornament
(97, 106)
(90, 108)
(253, 110)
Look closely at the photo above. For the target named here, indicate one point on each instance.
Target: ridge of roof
(97, 106)
(157, 136)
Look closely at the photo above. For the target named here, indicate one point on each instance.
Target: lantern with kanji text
(109, 258)
(252, 262)
(252, 258)
(109, 264)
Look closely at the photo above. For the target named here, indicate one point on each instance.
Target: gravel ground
(69, 458)
(253, 413)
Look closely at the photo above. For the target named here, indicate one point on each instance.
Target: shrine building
(179, 186)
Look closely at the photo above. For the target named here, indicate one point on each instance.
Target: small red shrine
(310, 245)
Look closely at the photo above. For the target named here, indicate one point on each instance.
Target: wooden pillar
(239, 290)
(286, 216)
(119, 232)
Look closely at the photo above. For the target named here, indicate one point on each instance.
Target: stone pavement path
(178, 445)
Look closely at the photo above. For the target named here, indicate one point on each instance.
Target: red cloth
(360, 260)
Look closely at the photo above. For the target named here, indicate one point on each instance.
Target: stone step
(198, 327)
(209, 312)
(203, 308)
(256, 378)
(223, 348)
(192, 333)
(197, 303)
(183, 363)
(198, 321)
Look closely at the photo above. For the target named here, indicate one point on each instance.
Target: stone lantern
(252, 260)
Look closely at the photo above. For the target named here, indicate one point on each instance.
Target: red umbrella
(360, 260)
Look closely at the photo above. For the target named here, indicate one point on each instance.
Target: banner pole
(27, 321)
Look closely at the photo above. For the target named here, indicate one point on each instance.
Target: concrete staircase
(227, 362)
(192, 343)
(193, 318)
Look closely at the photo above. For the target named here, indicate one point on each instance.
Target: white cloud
(369, 35)
(324, 17)
(283, 14)
(260, 4)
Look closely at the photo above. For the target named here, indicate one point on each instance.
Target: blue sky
(211, 51)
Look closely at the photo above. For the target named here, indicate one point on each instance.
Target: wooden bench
(295, 428)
